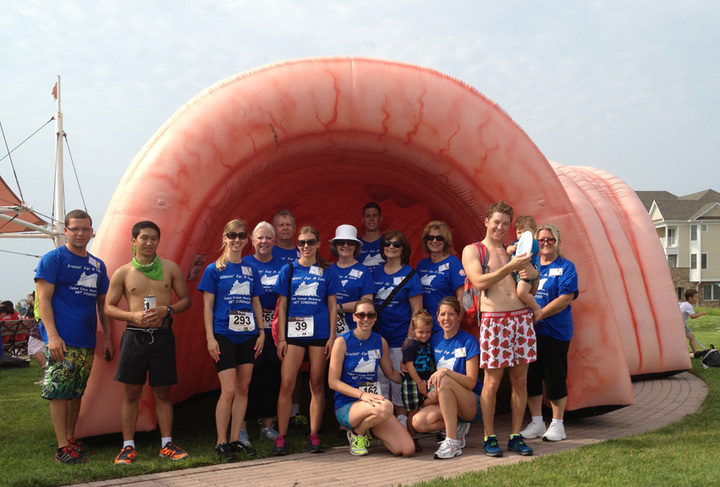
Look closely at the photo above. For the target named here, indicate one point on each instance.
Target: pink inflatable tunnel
(323, 136)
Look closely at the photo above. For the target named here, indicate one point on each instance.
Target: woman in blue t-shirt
(353, 375)
(234, 333)
(307, 320)
(557, 288)
(394, 312)
(356, 280)
(441, 273)
(456, 381)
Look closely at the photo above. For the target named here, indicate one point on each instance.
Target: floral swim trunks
(507, 338)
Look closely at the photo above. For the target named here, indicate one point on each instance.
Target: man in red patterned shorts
(507, 336)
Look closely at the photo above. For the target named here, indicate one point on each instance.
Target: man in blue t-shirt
(285, 248)
(71, 285)
(370, 253)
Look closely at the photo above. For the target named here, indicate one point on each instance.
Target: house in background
(689, 231)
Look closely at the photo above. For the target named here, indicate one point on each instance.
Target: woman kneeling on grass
(353, 376)
(456, 381)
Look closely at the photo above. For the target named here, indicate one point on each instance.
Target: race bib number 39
(301, 326)
(242, 321)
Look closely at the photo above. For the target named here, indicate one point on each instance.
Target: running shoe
(533, 430)
(449, 448)
(279, 447)
(224, 452)
(315, 445)
(79, 447)
(491, 447)
(358, 444)
(517, 445)
(269, 433)
(126, 456)
(68, 454)
(462, 431)
(243, 445)
(555, 432)
(173, 452)
(298, 420)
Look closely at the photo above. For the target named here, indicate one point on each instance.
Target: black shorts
(550, 367)
(144, 353)
(232, 355)
(307, 342)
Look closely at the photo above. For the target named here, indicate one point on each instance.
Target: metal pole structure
(59, 213)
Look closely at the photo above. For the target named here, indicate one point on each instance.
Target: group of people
(387, 335)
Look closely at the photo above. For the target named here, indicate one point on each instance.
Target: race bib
(242, 321)
(444, 267)
(316, 271)
(267, 318)
(356, 273)
(342, 325)
(370, 387)
(460, 352)
(556, 272)
(301, 326)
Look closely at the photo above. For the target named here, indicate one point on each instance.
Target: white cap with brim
(346, 232)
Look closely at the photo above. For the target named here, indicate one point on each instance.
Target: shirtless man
(370, 252)
(285, 248)
(507, 336)
(148, 344)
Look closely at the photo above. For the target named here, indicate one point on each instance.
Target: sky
(629, 87)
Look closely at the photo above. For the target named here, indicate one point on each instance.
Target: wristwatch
(170, 310)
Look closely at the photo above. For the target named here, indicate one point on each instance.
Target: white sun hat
(346, 232)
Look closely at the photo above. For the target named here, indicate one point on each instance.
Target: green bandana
(153, 270)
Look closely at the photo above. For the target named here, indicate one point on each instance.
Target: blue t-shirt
(439, 280)
(453, 353)
(285, 255)
(356, 282)
(556, 279)
(362, 359)
(233, 287)
(370, 254)
(310, 288)
(78, 282)
(394, 320)
(268, 277)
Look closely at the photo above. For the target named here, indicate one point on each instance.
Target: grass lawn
(684, 453)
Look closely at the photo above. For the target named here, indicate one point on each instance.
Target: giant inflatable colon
(321, 137)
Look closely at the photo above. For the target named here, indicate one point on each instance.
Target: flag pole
(59, 213)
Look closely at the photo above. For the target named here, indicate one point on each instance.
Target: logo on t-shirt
(268, 281)
(446, 363)
(384, 292)
(427, 279)
(305, 289)
(88, 280)
(365, 366)
(373, 260)
(240, 288)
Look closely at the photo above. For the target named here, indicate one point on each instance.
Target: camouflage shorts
(67, 379)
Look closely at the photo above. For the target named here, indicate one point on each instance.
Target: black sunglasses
(392, 243)
(430, 238)
(362, 315)
(340, 243)
(303, 243)
(234, 235)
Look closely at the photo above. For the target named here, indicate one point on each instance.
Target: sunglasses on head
(548, 241)
(430, 238)
(362, 315)
(340, 243)
(392, 243)
(310, 242)
(234, 235)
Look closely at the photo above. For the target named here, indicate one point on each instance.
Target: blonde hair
(552, 229)
(231, 226)
(526, 222)
(420, 317)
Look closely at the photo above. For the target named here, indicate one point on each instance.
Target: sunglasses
(309, 242)
(392, 243)
(547, 241)
(430, 238)
(362, 315)
(341, 243)
(234, 235)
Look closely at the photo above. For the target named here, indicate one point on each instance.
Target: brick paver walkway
(657, 403)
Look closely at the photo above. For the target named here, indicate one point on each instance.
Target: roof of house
(674, 208)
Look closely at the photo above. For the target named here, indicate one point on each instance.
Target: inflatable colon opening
(321, 137)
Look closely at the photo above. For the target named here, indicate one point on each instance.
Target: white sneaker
(403, 420)
(269, 433)
(555, 432)
(448, 449)
(462, 431)
(533, 430)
